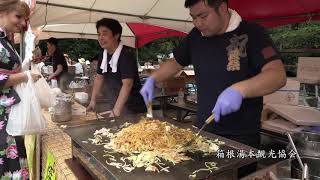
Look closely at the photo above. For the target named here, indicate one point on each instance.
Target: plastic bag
(43, 91)
(29, 42)
(26, 117)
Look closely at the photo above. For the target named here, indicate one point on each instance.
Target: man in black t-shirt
(117, 70)
(235, 63)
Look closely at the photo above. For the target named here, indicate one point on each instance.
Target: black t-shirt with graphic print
(127, 68)
(222, 60)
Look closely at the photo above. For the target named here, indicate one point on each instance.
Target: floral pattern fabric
(13, 162)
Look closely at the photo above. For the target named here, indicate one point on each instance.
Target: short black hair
(112, 24)
(53, 41)
(213, 3)
(95, 58)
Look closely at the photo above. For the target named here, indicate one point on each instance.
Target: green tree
(296, 36)
(161, 47)
(76, 48)
(83, 48)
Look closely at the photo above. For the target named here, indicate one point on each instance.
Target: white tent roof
(86, 31)
(89, 29)
(76, 18)
(167, 13)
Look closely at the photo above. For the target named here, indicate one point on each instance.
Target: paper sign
(50, 173)
(309, 70)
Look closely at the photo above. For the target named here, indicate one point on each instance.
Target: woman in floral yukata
(13, 162)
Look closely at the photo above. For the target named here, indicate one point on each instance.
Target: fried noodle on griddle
(149, 141)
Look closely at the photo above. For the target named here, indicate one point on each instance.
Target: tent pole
(136, 44)
(137, 53)
(22, 53)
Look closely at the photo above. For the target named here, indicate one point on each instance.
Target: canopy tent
(84, 31)
(76, 18)
(169, 13)
(272, 13)
(133, 34)
(165, 13)
(145, 33)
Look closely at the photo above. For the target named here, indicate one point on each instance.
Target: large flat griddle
(92, 158)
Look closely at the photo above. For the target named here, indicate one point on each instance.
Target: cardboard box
(309, 70)
(288, 95)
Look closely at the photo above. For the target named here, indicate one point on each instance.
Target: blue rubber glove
(147, 91)
(229, 101)
(315, 129)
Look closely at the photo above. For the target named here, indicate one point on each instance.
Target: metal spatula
(295, 149)
(208, 121)
(304, 167)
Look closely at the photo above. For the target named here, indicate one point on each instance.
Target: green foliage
(76, 48)
(305, 35)
(81, 48)
(297, 36)
(161, 47)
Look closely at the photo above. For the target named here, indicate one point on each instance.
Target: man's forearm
(57, 72)
(266, 82)
(167, 70)
(123, 97)
(97, 84)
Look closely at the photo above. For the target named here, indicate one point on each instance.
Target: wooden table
(163, 97)
(183, 107)
(57, 142)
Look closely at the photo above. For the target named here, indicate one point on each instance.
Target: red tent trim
(146, 33)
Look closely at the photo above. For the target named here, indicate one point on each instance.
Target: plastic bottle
(54, 83)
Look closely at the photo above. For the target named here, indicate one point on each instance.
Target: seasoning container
(62, 111)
